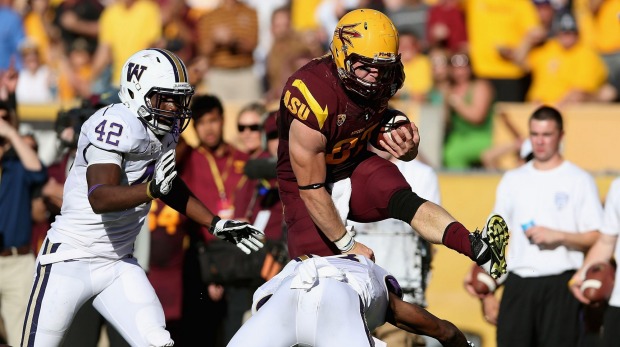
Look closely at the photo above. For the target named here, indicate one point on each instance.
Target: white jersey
(611, 226)
(565, 198)
(371, 282)
(396, 245)
(110, 235)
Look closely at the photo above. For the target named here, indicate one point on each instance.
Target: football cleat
(489, 246)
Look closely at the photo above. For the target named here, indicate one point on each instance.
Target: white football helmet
(150, 77)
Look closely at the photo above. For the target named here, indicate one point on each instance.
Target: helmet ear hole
(130, 93)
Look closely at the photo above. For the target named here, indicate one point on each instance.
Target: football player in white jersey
(335, 301)
(125, 159)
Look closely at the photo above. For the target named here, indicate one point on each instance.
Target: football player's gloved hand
(165, 172)
(242, 234)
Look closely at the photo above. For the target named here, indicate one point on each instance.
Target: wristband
(148, 190)
(213, 222)
(345, 243)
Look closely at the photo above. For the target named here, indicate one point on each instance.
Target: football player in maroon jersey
(329, 110)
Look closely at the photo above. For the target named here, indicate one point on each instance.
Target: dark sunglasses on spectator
(252, 127)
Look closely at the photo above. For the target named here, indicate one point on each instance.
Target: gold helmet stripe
(180, 73)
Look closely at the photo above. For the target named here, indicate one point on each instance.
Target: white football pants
(123, 295)
(327, 315)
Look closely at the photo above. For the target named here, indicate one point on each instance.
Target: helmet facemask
(388, 69)
(162, 121)
(154, 84)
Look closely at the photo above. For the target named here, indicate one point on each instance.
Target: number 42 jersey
(128, 143)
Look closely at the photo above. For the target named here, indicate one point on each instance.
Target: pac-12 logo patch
(341, 119)
(135, 70)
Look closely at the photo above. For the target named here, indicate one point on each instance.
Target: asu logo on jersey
(302, 108)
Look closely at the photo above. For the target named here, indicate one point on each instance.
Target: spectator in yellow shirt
(501, 33)
(417, 67)
(125, 26)
(564, 69)
(599, 25)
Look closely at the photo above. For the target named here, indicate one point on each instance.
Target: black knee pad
(404, 204)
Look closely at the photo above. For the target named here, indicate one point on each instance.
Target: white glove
(242, 234)
(165, 172)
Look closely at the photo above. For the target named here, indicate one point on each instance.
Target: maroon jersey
(315, 96)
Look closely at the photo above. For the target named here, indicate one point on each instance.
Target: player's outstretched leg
(489, 246)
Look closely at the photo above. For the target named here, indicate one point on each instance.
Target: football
(481, 281)
(599, 282)
(392, 119)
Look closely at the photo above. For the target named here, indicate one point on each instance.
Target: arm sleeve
(96, 155)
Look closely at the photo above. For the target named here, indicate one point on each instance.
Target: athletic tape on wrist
(345, 243)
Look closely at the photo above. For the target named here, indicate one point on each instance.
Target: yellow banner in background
(470, 199)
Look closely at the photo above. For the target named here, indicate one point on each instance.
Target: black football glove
(165, 172)
(242, 234)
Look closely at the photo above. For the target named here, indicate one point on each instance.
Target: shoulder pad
(116, 128)
(310, 99)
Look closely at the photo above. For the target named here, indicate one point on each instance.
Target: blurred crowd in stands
(464, 55)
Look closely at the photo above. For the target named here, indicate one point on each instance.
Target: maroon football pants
(372, 183)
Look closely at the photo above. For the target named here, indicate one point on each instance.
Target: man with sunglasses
(329, 110)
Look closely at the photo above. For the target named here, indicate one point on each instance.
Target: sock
(456, 237)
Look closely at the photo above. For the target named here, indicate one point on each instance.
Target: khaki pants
(16, 276)
(395, 337)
